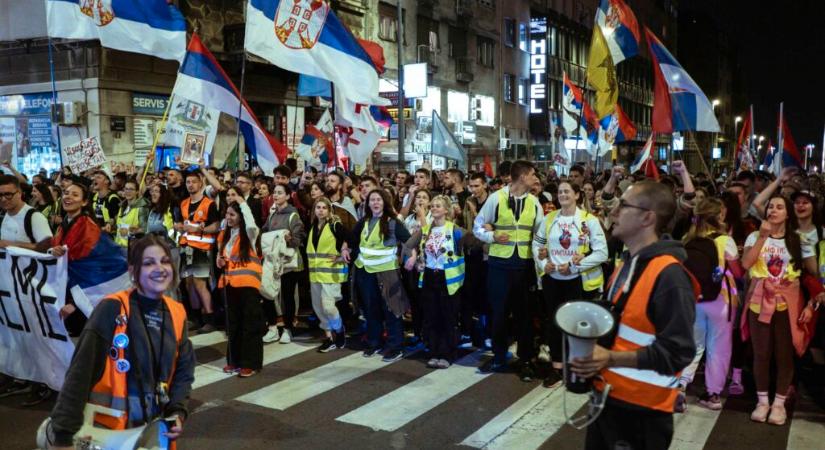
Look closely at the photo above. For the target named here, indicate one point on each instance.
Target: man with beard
(341, 204)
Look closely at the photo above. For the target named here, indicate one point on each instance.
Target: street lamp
(716, 102)
(761, 138)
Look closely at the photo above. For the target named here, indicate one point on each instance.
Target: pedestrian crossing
(366, 403)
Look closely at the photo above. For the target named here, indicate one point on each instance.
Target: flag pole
(240, 110)
(54, 101)
(399, 37)
(780, 139)
(822, 151)
(334, 137)
(151, 161)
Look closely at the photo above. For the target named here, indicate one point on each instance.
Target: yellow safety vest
(454, 267)
(126, 221)
(100, 208)
(321, 267)
(521, 232)
(593, 278)
(374, 256)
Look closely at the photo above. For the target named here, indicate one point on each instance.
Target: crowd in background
(396, 263)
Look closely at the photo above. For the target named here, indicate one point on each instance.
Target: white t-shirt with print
(435, 257)
(14, 227)
(775, 254)
(563, 242)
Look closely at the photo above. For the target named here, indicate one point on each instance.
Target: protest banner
(84, 155)
(34, 344)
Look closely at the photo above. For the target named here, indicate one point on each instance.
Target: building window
(522, 36)
(486, 48)
(509, 86)
(458, 105)
(509, 32)
(458, 42)
(428, 33)
(484, 110)
(388, 22)
(523, 89)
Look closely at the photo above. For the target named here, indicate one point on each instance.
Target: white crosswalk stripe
(405, 404)
(314, 382)
(212, 372)
(207, 339)
(528, 422)
(693, 427)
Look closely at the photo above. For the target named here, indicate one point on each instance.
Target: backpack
(703, 263)
(27, 225)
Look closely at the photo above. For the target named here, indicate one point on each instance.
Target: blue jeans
(378, 314)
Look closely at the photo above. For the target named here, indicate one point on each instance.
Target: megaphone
(582, 323)
(147, 437)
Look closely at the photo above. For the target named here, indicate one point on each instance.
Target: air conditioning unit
(67, 113)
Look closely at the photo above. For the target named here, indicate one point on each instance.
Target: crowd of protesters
(440, 262)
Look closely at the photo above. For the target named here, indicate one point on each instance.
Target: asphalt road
(340, 400)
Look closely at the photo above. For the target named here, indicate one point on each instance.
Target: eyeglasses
(624, 204)
(8, 195)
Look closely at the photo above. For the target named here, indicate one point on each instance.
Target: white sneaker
(286, 336)
(544, 353)
(271, 335)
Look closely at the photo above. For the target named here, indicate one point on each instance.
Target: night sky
(781, 49)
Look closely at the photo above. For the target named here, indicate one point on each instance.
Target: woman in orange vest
(241, 283)
(134, 355)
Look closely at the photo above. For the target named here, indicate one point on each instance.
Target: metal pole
(400, 44)
(54, 100)
(334, 134)
(240, 111)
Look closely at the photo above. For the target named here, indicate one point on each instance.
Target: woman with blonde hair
(713, 328)
(327, 271)
(436, 250)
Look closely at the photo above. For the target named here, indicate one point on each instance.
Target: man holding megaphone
(652, 299)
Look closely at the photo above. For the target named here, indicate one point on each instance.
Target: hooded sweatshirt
(671, 310)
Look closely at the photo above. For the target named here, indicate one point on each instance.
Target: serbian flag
(578, 115)
(305, 36)
(617, 127)
(317, 144)
(97, 266)
(678, 102)
(202, 79)
(151, 27)
(790, 152)
(645, 161)
(743, 158)
(360, 145)
(615, 38)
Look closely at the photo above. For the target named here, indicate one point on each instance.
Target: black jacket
(90, 357)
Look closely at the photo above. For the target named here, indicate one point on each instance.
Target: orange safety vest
(110, 390)
(200, 241)
(237, 273)
(646, 388)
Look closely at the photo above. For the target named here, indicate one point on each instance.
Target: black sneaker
(207, 328)
(369, 352)
(492, 366)
(18, 387)
(327, 346)
(527, 373)
(553, 378)
(341, 339)
(38, 395)
(392, 355)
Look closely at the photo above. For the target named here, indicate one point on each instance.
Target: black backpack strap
(27, 225)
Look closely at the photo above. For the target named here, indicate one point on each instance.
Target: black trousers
(556, 293)
(440, 315)
(507, 293)
(289, 282)
(409, 278)
(620, 428)
(473, 297)
(245, 325)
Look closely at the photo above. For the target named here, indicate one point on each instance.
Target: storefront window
(457, 106)
(26, 134)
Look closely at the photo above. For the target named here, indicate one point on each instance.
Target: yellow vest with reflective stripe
(593, 278)
(374, 256)
(130, 219)
(321, 267)
(821, 261)
(453, 267)
(520, 233)
(102, 207)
